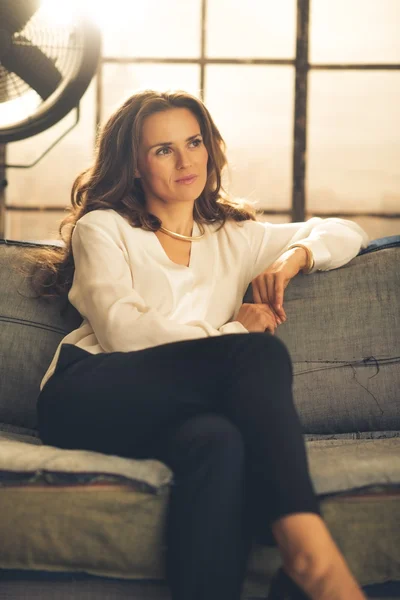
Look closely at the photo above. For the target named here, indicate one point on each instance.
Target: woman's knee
(215, 436)
(269, 350)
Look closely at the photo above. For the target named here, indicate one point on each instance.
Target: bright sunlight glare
(101, 12)
(17, 109)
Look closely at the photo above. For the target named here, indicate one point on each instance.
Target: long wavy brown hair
(110, 183)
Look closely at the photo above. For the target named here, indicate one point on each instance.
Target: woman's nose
(183, 160)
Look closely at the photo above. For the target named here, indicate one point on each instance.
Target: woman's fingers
(271, 297)
(271, 315)
(256, 294)
(262, 286)
(278, 299)
(270, 319)
(263, 293)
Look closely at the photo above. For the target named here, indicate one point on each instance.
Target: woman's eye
(160, 152)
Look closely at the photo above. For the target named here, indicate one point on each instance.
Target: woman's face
(171, 148)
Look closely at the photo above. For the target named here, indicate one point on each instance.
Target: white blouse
(132, 296)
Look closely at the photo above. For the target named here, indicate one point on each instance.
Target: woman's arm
(102, 292)
(333, 242)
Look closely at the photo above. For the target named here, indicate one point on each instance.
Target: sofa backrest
(30, 331)
(344, 341)
(343, 334)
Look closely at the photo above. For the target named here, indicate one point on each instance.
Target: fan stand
(4, 166)
(3, 185)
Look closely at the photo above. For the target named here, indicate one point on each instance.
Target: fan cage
(74, 51)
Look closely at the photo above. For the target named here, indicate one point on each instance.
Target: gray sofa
(79, 524)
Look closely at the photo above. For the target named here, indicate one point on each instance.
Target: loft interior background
(245, 61)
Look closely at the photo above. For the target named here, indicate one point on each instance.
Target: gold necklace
(179, 236)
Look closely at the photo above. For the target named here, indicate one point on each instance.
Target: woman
(169, 364)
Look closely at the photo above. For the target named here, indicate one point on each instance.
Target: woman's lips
(187, 181)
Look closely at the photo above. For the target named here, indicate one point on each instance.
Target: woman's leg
(258, 399)
(208, 533)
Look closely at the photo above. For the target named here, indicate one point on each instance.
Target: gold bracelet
(310, 258)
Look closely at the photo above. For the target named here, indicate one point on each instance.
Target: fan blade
(33, 67)
(14, 14)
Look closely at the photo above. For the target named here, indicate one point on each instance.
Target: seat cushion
(337, 465)
(76, 510)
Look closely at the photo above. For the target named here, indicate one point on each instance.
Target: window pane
(375, 227)
(353, 141)
(50, 181)
(256, 28)
(151, 28)
(356, 31)
(282, 218)
(32, 226)
(120, 81)
(252, 106)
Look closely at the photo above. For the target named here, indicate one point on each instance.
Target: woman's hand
(268, 287)
(257, 317)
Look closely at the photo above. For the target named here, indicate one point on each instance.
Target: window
(329, 97)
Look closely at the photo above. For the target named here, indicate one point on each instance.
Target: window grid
(301, 66)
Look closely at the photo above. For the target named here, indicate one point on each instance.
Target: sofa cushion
(342, 331)
(75, 510)
(340, 465)
(26, 458)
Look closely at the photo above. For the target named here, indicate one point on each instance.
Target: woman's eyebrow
(170, 143)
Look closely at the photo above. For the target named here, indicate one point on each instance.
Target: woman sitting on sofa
(169, 364)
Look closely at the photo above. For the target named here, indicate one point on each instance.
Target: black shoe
(282, 587)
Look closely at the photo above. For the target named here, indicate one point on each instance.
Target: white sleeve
(333, 241)
(233, 327)
(103, 293)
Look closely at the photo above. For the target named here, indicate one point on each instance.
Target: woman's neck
(178, 223)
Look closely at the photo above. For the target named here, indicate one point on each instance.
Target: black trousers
(219, 412)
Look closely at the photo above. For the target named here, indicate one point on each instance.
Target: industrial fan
(45, 68)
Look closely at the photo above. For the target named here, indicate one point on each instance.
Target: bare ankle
(307, 570)
(304, 542)
(313, 560)
(323, 581)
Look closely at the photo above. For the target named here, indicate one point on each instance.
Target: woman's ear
(137, 174)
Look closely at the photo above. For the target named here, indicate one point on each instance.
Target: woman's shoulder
(244, 228)
(100, 217)
(106, 220)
